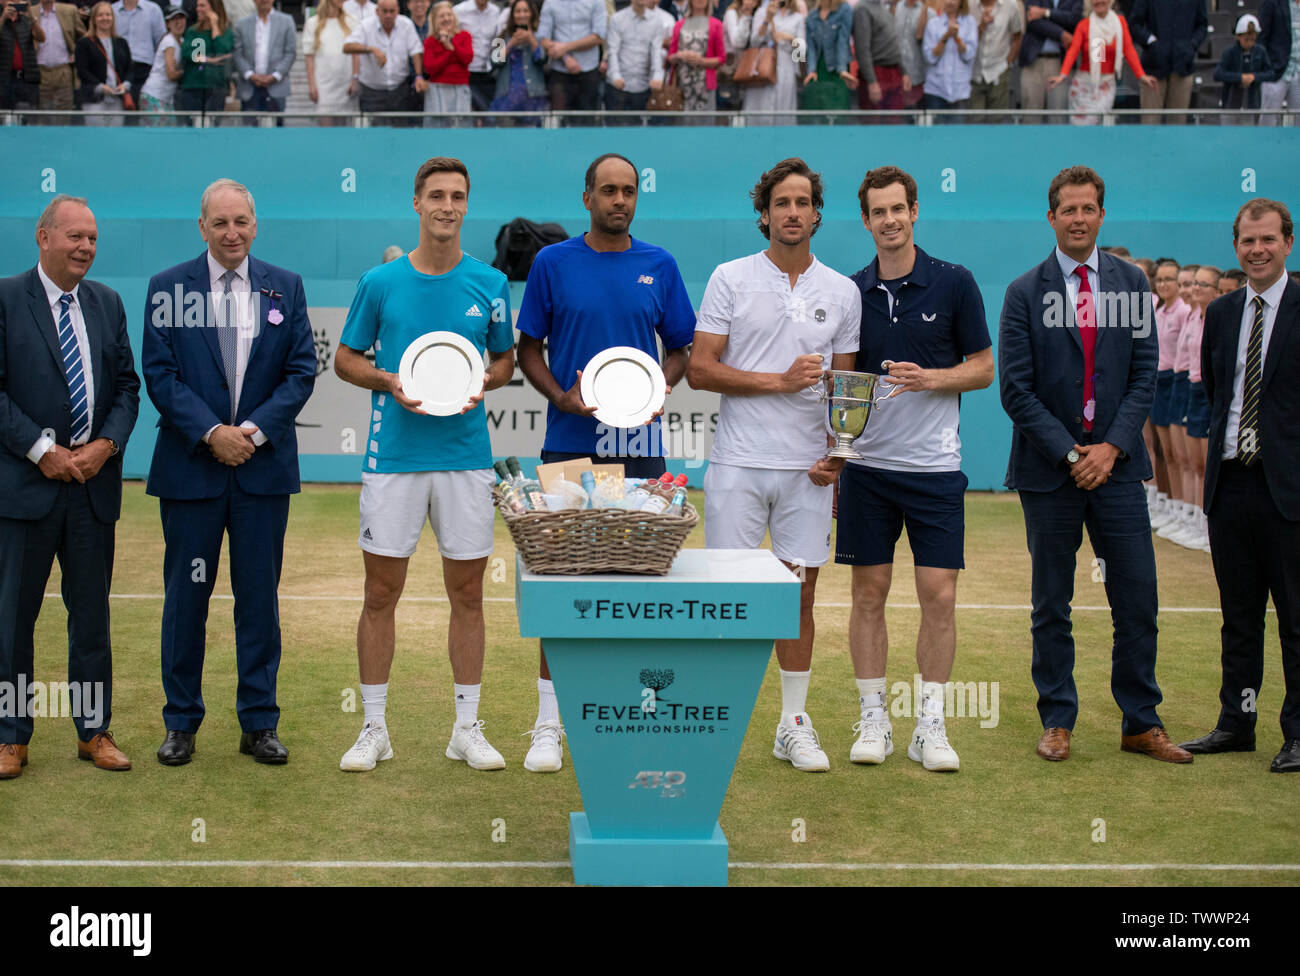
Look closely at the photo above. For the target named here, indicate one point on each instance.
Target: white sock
(932, 701)
(1162, 499)
(1188, 508)
(1151, 493)
(871, 698)
(548, 709)
(466, 703)
(373, 700)
(794, 694)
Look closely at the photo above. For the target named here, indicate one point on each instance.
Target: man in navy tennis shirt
(922, 322)
(600, 289)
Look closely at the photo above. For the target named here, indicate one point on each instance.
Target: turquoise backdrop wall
(330, 200)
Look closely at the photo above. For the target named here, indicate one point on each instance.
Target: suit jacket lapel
(1232, 336)
(92, 316)
(43, 317)
(1054, 283)
(1288, 310)
(200, 280)
(261, 285)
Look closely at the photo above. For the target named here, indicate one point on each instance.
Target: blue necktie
(72, 369)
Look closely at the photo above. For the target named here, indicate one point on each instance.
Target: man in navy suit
(1077, 361)
(69, 396)
(229, 362)
(1250, 365)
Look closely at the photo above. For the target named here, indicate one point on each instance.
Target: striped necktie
(228, 335)
(1248, 432)
(73, 370)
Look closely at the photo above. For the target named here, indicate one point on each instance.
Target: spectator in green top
(206, 52)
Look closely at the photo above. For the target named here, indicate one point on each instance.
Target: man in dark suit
(229, 362)
(1077, 360)
(1049, 26)
(1170, 32)
(1250, 365)
(69, 396)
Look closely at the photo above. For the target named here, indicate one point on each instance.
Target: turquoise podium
(656, 678)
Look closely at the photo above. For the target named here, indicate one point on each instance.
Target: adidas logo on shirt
(367, 536)
(473, 311)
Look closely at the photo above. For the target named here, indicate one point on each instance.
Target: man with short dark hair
(69, 396)
(769, 326)
(420, 467)
(599, 289)
(922, 323)
(141, 24)
(1077, 388)
(571, 32)
(1250, 365)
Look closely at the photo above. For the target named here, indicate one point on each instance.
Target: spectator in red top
(448, 50)
(1094, 45)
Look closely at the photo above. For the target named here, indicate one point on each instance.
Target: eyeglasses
(1205, 284)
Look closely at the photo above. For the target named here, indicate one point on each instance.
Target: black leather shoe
(1288, 760)
(1221, 740)
(177, 748)
(263, 746)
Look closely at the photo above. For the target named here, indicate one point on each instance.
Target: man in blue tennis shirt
(923, 323)
(600, 289)
(420, 467)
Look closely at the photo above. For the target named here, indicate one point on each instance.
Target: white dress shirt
(1272, 297)
(483, 28)
(261, 45)
(53, 293)
(1068, 264)
(244, 308)
(399, 47)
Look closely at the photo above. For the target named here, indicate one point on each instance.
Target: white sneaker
(1187, 537)
(372, 746)
(546, 754)
(875, 741)
(1177, 524)
(467, 744)
(1162, 516)
(930, 748)
(799, 745)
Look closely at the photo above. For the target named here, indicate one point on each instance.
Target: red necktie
(1086, 319)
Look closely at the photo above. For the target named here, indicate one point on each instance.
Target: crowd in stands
(1177, 431)
(763, 58)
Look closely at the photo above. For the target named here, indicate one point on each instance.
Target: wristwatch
(113, 445)
(1072, 457)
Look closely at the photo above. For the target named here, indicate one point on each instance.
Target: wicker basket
(607, 540)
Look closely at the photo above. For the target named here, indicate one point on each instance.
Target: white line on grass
(548, 865)
(357, 598)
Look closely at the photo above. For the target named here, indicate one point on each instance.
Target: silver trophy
(849, 399)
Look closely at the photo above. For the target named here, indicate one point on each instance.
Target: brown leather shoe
(1054, 746)
(1154, 742)
(13, 758)
(103, 752)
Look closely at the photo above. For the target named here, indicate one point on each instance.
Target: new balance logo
(473, 311)
(645, 280)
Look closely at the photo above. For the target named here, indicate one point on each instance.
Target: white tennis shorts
(458, 504)
(741, 504)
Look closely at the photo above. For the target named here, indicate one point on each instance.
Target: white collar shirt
(245, 309)
(1272, 296)
(399, 46)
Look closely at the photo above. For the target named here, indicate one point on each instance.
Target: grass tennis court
(1005, 807)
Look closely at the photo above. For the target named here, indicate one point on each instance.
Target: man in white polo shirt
(769, 326)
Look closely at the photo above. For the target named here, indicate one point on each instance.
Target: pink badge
(1090, 410)
(275, 316)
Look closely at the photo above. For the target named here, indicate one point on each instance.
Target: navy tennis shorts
(875, 505)
(1160, 413)
(1178, 399)
(1198, 411)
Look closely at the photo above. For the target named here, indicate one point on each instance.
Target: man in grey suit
(69, 395)
(265, 45)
